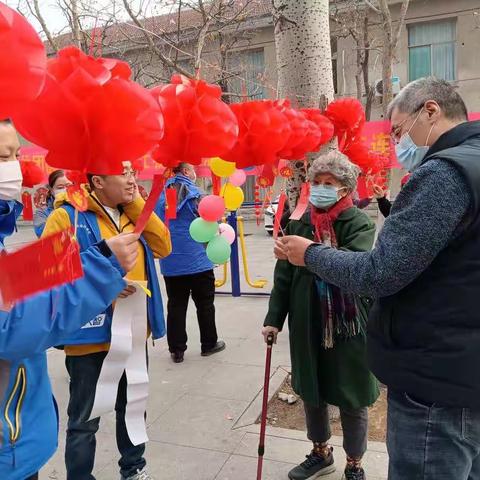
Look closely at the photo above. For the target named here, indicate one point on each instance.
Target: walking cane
(263, 424)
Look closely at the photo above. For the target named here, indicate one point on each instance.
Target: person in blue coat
(187, 270)
(28, 413)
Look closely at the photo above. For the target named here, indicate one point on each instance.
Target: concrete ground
(201, 413)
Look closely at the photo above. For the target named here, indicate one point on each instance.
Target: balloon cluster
(206, 229)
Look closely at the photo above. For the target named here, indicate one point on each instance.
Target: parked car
(269, 216)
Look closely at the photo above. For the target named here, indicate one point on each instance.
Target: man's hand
(267, 330)
(378, 191)
(279, 250)
(125, 248)
(294, 248)
(127, 291)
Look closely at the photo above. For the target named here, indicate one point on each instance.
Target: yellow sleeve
(57, 221)
(156, 233)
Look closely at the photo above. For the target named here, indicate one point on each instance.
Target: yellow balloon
(233, 196)
(222, 168)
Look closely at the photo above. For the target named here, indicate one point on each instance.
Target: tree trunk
(304, 62)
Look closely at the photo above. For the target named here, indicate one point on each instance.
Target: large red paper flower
(90, 116)
(32, 174)
(348, 118)
(264, 131)
(326, 126)
(305, 135)
(22, 59)
(197, 123)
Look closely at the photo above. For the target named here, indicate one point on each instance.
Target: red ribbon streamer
(157, 187)
(302, 204)
(278, 214)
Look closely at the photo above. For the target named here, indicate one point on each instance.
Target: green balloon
(202, 231)
(218, 250)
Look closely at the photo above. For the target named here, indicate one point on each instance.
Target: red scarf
(323, 220)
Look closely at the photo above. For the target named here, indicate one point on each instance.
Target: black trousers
(202, 288)
(81, 443)
(33, 477)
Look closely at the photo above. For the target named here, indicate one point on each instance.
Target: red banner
(42, 265)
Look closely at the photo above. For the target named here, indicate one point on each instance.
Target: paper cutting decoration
(197, 123)
(23, 60)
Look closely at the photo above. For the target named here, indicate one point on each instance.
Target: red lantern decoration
(23, 61)
(264, 131)
(348, 118)
(32, 174)
(197, 123)
(305, 135)
(326, 126)
(90, 116)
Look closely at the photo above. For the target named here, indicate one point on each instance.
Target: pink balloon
(238, 178)
(227, 232)
(211, 208)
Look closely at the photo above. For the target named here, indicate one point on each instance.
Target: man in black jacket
(424, 329)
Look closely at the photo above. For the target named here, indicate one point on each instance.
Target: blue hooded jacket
(28, 417)
(188, 256)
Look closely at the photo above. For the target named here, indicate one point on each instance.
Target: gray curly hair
(337, 164)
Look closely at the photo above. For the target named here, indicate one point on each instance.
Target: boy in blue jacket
(28, 418)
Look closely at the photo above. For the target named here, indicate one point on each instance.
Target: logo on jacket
(98, 321)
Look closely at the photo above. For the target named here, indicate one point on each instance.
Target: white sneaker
(140, 475)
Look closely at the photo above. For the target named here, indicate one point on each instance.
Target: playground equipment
(237, 224)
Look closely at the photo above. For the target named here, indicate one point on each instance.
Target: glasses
(130, 174)
(395, 134)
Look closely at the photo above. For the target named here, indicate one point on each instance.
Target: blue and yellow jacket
(94, 225)
(28, 418)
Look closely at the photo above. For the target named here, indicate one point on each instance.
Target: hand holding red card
(50, 262)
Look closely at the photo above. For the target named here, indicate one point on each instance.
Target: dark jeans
(80, 447)
(202, 288)
(33, 477)
(430, 442)
(354, 425)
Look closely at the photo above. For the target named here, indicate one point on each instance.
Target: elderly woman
(327, 325)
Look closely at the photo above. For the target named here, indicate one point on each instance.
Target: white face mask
(10, 180)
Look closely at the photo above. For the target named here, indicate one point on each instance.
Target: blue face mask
(409, 154)
(323, 196)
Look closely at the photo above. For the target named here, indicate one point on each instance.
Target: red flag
(27, 206)
(171, 204)
(42, 265)
(302, 203)
(77, 197)
(216, 184)
(157, 187)
(278, 214)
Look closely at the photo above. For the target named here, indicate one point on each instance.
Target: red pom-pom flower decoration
(198, 124)
(90, 116)
(23, 61)
(32, 174)
(264, 131)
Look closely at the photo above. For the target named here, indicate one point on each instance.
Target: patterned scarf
(339, 311)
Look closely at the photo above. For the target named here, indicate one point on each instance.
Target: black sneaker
(314, 466)
(177, 357)
(219, 346)
(355, 473)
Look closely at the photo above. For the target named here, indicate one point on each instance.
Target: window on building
(334, 47)
(248, 74)
(431, 49)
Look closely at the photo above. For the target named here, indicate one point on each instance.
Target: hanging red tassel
(27, 206)
(171, 204)
(257, 204)
(216, 184)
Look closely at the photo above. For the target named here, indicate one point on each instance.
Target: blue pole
(234, 262)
